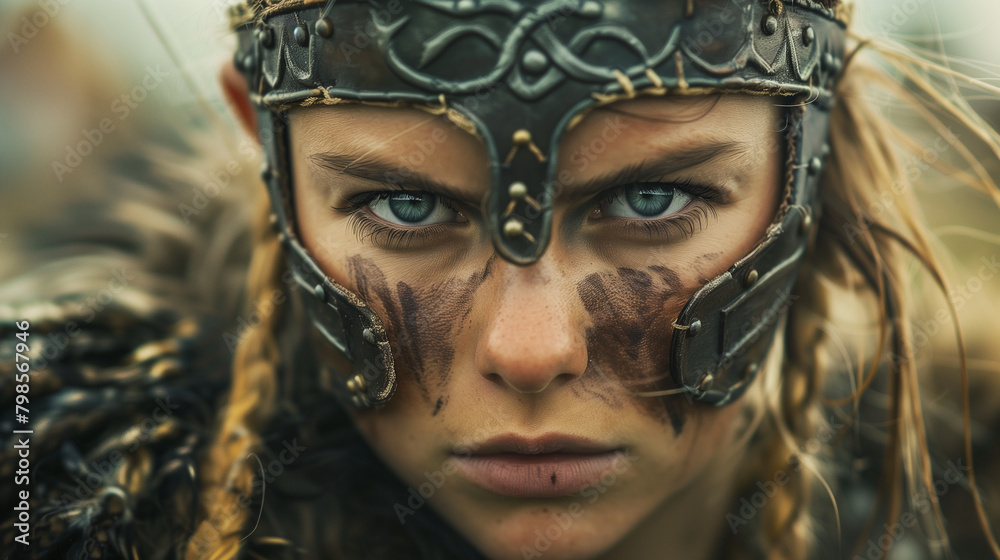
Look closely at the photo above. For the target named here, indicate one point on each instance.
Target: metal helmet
(518, 74)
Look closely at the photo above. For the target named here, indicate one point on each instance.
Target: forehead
(353, 126)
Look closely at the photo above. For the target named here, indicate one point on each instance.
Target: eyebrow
(654, 168)
(379, 170)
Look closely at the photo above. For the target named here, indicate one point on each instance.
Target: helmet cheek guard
(518, 74)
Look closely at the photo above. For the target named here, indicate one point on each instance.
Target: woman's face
(516, 415)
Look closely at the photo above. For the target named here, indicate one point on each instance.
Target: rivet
(749, 370)
(518, 190)
(828, 61)
(238, 62)
(368, 335)
(694, 328)
(752, 277)
(815, 166)
(265, 171)
(248, 62)
(319, 291)
(359, 382)
(351, 386)
(805, 224)
(770, 24)
(838, 65)
(590, 8)
(266, 37)
(466, 5)
(324, 27)
(513, 228)
(356, 401)
(808, 36)
(522, 137)
(535, 61)
(301, 36)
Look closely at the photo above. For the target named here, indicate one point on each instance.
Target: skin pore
(484, 348)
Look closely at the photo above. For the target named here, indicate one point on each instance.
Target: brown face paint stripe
(631, 312)
(422, 322)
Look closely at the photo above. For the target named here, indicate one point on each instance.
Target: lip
(549, 466)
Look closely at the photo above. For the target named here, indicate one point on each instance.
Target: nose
(534, 336)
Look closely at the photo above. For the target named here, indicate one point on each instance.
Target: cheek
(422, 321)
(708, 444)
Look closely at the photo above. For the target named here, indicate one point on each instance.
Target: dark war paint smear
(632, 312)
(422, 322)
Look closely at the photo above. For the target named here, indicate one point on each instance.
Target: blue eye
(411, 209)
(645, 200)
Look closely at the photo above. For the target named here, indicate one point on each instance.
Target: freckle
(553, 478)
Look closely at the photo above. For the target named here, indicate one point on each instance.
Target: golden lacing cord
(682, 83)
(690, 8)
(322, 95)
(654, 78)
(663, 393)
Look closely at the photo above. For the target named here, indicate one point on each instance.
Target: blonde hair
(852, 250)
(856, 250)
(228, 483)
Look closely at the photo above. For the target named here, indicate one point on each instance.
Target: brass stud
(806, 224)
(808, 36)
(535, 61)
(828, 61)
(301, 36)
(351, 386)
(324, 27)
(694, 328)
(518, 190)
(513, 228)
(770, 24)
(752, 277)
(266, 37)
(522, 137)
(359, 382)
(590, 8)
(749, 370)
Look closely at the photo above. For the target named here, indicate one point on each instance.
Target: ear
(234, 86)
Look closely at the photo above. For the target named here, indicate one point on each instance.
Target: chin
(561, 529)
(551, 533)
